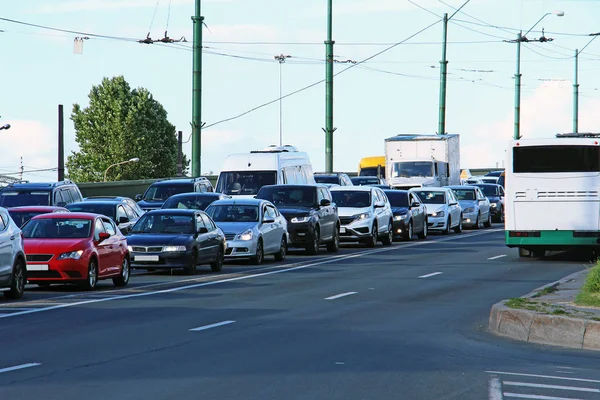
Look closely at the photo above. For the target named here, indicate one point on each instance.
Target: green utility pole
(517, 133)
(443, 76)
(197, 93)
(329, 129)
(576, 94)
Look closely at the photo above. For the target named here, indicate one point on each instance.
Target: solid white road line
(497, 257)
(495, 389)
(250, 276)
(432, 274)
(18, 367)
(544, 376)
(205, 327)
(537, 396)
(337, 296)
(557, 387)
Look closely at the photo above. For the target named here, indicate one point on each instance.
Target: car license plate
(342, 230)
(145, 258)
(37, 267)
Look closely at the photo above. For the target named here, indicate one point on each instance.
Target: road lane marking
(337, 296)
(205, 327)
(495, 389)
(537, 396)
(557, 387)
(18, 367)
(564, 378)
(432, 274)
(282, 269)
(497, 257)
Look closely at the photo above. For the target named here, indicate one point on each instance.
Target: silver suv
(13, 267)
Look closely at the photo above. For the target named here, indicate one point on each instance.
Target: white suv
(13, 267)
(365, 214)
(443, 210)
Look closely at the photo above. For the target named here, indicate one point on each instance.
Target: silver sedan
(475, 206)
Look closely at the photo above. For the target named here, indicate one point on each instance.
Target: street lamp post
(523, 38)
(133, 160)
(281, 58)
(576, 84)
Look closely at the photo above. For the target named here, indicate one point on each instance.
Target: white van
(244, 174)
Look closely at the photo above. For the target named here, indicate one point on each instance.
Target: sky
(397, 91)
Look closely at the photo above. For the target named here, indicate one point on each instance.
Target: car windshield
(16, 198)
(289, 196)
(327, 179)
(409, 169)
(191, 202)
(398, 199)
(245, 182)
(164, 224)
(348, 198)
(372, 171)
(97, 208)
(364, 180)
(465, 194)
(20, 217)
(431, 197)
(489, 190)
(163, 192)
(57, 228)
(233, 213)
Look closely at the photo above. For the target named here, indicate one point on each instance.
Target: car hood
(53, 246)
(351, 211)
(236, 227)
(494, 199)
(467, 203)
(151, 203)
(399, 210)
(431, 208)
(143, 239)
(290, 212)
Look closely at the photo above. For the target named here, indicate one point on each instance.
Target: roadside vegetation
(590, 292)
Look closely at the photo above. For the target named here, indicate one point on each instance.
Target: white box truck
(413, 160)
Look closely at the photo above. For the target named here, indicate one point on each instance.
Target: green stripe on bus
(551, 238)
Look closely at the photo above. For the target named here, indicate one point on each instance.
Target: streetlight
(133, 160)
(5, 127)
(523, 38)
(576, 84)
(281, 58)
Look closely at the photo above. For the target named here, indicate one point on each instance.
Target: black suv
(160, 191)
(336, 178)
(25, 193)
(312, 217)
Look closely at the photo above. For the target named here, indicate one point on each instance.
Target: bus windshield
(408, 169)
(544, 159)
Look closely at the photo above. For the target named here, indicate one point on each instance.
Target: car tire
(458, 228)
(488, 223)
(334, 245)
(409, 232)
(478, 221)
(372, 240)
(17, 286)
(447, 230)
(282, 253)
(191, 269)
(123, 279)
(217, 265)
(312, 247)
(259, 256)
(389, 235)
(92, 275)
(423, 234)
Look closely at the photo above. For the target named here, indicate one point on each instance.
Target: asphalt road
(406, 322)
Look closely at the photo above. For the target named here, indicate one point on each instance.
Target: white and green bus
(552, 200)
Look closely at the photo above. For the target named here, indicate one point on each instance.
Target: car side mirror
(268, 220)
(203, 230)
(379, 204)
(454, 204)
(138, 197)
(123, 220)
(103, 236)
(415, 204)
(325, 203)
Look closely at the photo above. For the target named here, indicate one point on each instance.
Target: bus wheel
(524, 253)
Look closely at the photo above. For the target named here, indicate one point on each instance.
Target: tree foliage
(120, 124)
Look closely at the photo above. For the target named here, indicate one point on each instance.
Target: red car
(24, 213)
(77, 248)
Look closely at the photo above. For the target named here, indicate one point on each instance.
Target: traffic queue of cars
(183, 226)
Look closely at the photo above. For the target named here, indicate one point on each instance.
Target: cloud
(105, 5)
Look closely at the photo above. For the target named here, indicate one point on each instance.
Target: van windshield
(163, 192)
(409, 169)
(16, 198)
(245, 182)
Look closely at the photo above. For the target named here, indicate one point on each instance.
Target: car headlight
(400, 217)
(168, 249)
(298, 220)
(494, 205)
(438, 214)
(362, 216)
(469, 210)
(247, 235)
(73, 255)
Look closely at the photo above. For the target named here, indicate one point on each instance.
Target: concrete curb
(536, 327)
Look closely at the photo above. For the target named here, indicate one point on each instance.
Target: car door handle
(13, 237)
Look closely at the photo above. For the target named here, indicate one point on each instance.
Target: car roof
(91, 202)
(92, 198)
(173, 182)
(328, 173)
(352, 188)
(473, 187)
(37, 208)
(429, 189)
(297, 185)
(174, 211)
(395, 190)
(241, 202)
(198, 194)
(70, 215)
(486, 184)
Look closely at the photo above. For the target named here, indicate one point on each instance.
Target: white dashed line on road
(497, 257)
(18, 367)
(536, 396)
(430, 275)
(564, 378)
(205, 327)
(337, 296)
(495, 389)
(556, 387)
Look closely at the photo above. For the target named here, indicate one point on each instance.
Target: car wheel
(447, 230)
(334, 245)
(217, 265)
(280, 256)
(123, 279)
(372, 240)
(458, 228)
(92, 275)
(312, 247)
(389, 236)
(478, 221)
(423, 234)
(17, 286)
(260, 254)
(191, 269)
(488, 223)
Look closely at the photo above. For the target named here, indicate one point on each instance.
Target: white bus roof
(264, 161)
(560, 141)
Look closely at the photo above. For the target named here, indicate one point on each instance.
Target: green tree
(120, 124)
